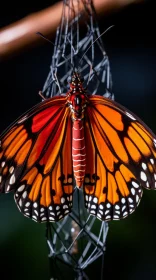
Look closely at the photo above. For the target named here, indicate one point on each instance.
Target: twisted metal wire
(77, 31)
(77, 241)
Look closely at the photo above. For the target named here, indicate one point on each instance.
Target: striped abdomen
(78, 152)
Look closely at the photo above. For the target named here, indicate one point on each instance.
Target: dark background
(131, 47)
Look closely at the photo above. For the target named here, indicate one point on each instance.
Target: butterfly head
(75, 81)
(76, 96)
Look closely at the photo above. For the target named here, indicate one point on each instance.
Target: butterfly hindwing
(36, 161)
(120, 152)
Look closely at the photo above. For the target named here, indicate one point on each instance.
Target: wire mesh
(77, 32)
(79, 239)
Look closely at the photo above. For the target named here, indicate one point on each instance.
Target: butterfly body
(77, 101)
(110, 152)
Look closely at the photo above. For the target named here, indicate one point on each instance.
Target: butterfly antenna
(90, 72)
(45, 38)
(95, 41)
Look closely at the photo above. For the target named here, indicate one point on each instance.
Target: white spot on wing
(23, 119)
(51, 219)
(86, 197)
(52, 213)
(99, 216)
(27, 204)
(92, 212)
(131, 205)
(130, 116)
(21, 188)
(35, 204)
(36, 212)
(34, 217)
(60, 217)
(27, 214)
(20, 202)
(144, 166)
(62, 199)
(123, 208)
(24, 194)
(8, 188)
(137, 198)
(135, 185)
(95, 200)
(133, 191)
(152, 160)
(108, 217)
(12, 179)
(143, 176)
(108, 205)
(116, 217)
(3, 163)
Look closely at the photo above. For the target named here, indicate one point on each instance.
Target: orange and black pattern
(36, 160)
(120, 156)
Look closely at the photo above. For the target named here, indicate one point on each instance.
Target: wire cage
(76, 241)
(79, 239)
(78, 45)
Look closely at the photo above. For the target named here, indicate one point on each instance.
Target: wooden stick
(22, 34)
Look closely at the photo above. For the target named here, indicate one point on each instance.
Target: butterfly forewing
(36, 161)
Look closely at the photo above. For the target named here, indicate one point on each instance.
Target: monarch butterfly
(77, 138)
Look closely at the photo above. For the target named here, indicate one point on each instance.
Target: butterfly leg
(40, 93)
(57, 82)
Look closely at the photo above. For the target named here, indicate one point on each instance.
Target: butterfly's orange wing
(120, 159)
(36, 161)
